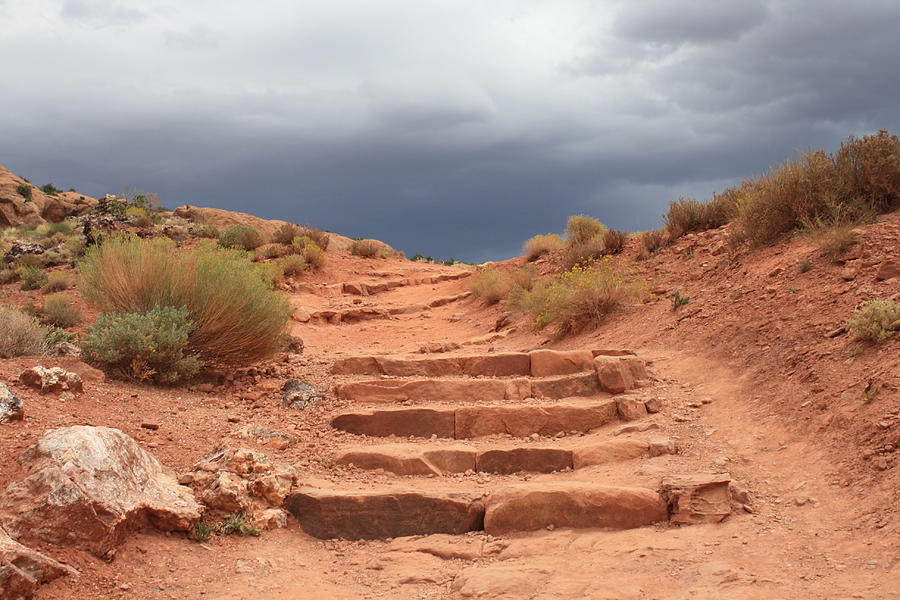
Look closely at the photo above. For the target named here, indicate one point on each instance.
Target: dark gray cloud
(457, 128)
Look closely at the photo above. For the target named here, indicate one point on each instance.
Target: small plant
(581, 228)
(875, 321)
(314, 256)
(57, 281)
(736, 294)
(293, 265)
(143, 346)
(651, 242)
(367, 248)
(242, 237)
(542, 244)
(54, 336)
(614, 241)
(320, 238)
(32, 277)
(24, 190)
(8, 276)
(206, 231)
(236, 523)
(804, 266)
(60, 310)
(578, 253)
(271, 251)
(202, 532)
(686, 214)
(20, 334)
(286, 233)
(869, 393)
(678, 300)
(50, 189)
(490, 285)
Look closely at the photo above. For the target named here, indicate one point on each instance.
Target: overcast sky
(447, 127)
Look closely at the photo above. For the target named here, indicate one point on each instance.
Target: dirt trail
(797, 538)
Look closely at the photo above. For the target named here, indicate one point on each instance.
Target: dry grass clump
(286, 234)
(582, 228)
(320, 238)
(686, 214)
(241, 237)
(60, 310)
(206, 231)
(57, 281)
(580, 297)
(367, 248)
(542, 244)
(875, 321)
(8, 276)
(614, 240)
(583, 252)
(32, 278)
(490, 285)
(20, 334)
(651, 242)
(271, 251)
(314, 256)
(237, 317)
(292, 265)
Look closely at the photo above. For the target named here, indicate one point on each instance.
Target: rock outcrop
(23, 570)
(88, 486)
(11, 408)
(17, 210)
(53, 379)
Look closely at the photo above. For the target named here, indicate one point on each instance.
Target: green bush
(50, 189)
(582, 228)
(286, 233)
(60, 310)
(151, 346)
(542, 244)
(24, 190)
(242, 237)
(313, 255)
(206, 231)
(875, 321)
(237, 316)
(292, 265)
(320, 238)
(20, 334)
(32, 277)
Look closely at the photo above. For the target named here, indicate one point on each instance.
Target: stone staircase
(499, 442)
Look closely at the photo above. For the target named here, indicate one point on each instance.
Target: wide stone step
(357, 314)
(379, 514)
(420, 459)
(537, 363)
(466, 422)
(468, 390)
(367, 288)
(367, 515)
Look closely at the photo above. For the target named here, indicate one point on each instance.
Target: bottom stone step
(378, 514)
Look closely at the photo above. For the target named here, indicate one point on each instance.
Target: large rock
(560, 362)
(301, 395)
(529, 507)
(23, 570)
(11, 407)
(618, 374)
(243, 480)
(370, 515)
(609, 451)
(16, 211)
(701, 498)
(88, 486)
(53, 379)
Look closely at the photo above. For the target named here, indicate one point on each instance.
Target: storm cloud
(447, 127)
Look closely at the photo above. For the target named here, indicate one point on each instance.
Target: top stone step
(537, 363)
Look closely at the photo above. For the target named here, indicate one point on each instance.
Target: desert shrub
(20, 334)
(292, 265)
(143, 346)
(237, 317)
(313, 255)
(8, 276)
(875, 321)
(271, 273)
(651, 242)
(583, 252)
(542, 244)
(286, 234)
(139, 216)
(614, 241)
(60, 310)
(50, 189)
(64, 227)
(678, 300)
(686, 214)
(581, 228)
(490, 285)
(320, 238)
(271, 251)
(33, 278)
(241, 237)
(24, 190)
(524, 277)
(206, 231)
(367, 248)
(75, 246)
(581, 297)
(57, 281)
(31, 260)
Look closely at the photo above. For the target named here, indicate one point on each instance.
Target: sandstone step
(468, 390)
(537, 363)
(529, 507)
(367, 313)
(379, 514)
(465, 422)
(421, 459)
(366, 515)
(366, 288)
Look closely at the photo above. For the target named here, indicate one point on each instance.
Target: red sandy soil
(784, 417)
